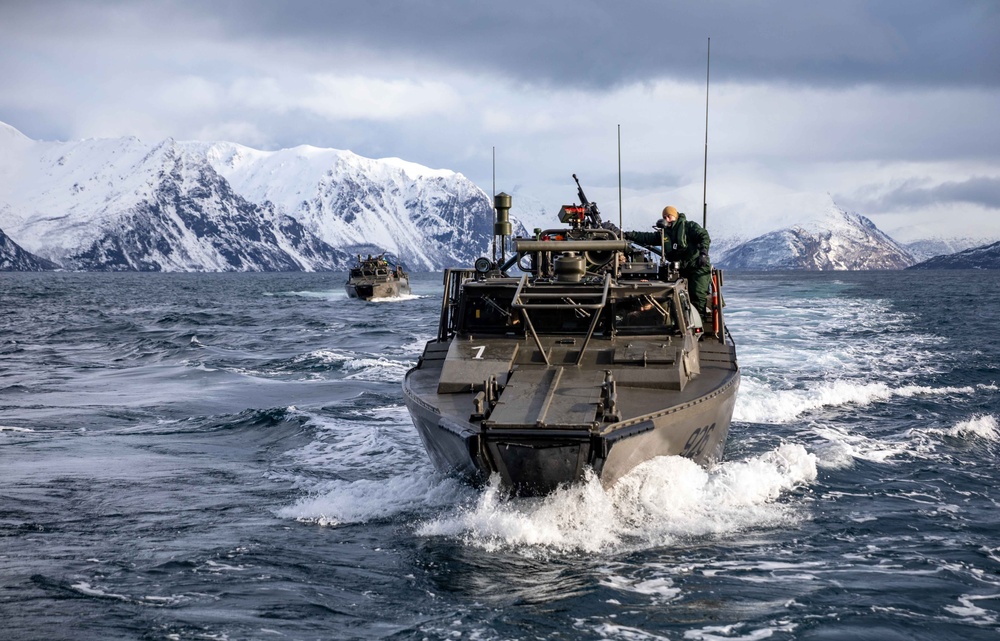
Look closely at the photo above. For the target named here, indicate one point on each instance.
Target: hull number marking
(697, 441)
(479, 352)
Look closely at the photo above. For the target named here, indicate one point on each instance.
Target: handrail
(593, 321)
(452, 283)
(516, 303)
(524, 246)
(720, 331)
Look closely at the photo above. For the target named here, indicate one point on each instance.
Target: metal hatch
(553, 397)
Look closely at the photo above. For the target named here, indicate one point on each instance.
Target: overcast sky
(891, 107)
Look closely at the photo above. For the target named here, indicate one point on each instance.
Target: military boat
(580, 354)
(376, 277)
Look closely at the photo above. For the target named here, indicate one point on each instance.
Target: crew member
(685, 242)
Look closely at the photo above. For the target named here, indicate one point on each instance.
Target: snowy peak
(220, 206)
(830, 239)
(194, 221)
(11, 136)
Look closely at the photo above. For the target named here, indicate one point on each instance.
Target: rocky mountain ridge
(833, 239)
(984, 257)
(14, 259)
(121, 204)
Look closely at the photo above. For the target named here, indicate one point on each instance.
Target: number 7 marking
(479, 353)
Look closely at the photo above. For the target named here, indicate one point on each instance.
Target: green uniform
(685, 242)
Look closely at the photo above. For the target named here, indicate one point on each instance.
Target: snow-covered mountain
(121, 204)
(15, 259)
(931, 247)
(832, 239)
(983, 257)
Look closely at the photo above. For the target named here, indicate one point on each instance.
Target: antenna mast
(619, 176)
(704, 189)
(494, 198)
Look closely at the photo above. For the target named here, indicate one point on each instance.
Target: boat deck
(536, 393)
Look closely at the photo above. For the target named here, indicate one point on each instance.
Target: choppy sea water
(228, 457)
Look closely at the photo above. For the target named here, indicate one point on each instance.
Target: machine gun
(584, 215)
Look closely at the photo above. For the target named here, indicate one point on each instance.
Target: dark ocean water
(228, 457)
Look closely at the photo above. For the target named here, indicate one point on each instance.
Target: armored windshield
(646, 314)
(489, 312)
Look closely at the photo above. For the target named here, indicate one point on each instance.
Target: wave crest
(658, 503)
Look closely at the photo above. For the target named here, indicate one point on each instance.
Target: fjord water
(227, 456)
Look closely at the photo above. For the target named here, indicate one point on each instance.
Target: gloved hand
(610, 226)
(703, 260)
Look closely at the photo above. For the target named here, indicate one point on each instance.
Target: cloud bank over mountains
(890, 107)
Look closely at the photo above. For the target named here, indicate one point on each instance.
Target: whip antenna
(494, 198)
(619, 176)
(704, 189)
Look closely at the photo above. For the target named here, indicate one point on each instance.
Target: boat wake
(396, 299)
(760, 404)
(367, 500)
(978, 427)
(665, 501)
(841, 448)
(366, 368)
(328, 294)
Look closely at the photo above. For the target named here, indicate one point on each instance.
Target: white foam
(216, 567)
(842, 448)
(977, 427)
(735, 632)
(757, 403)
(366, 500)
(87, 589)
(337, 294)
(972, 613)
(415, 347)
(926, 441)
(396, 299)
(776, 337)
(8, 428)
(378, 369)
(662, 588)
(350, 443)
(661, 501)
(362, 368)
(608, 630)
(846, 447)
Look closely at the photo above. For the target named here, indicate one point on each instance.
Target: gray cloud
(980, 190)
(807, 97)
(592, 43)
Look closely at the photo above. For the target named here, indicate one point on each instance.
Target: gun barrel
(579, 191)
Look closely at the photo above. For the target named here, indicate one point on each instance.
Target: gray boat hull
(536, 459)
(370, 289)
